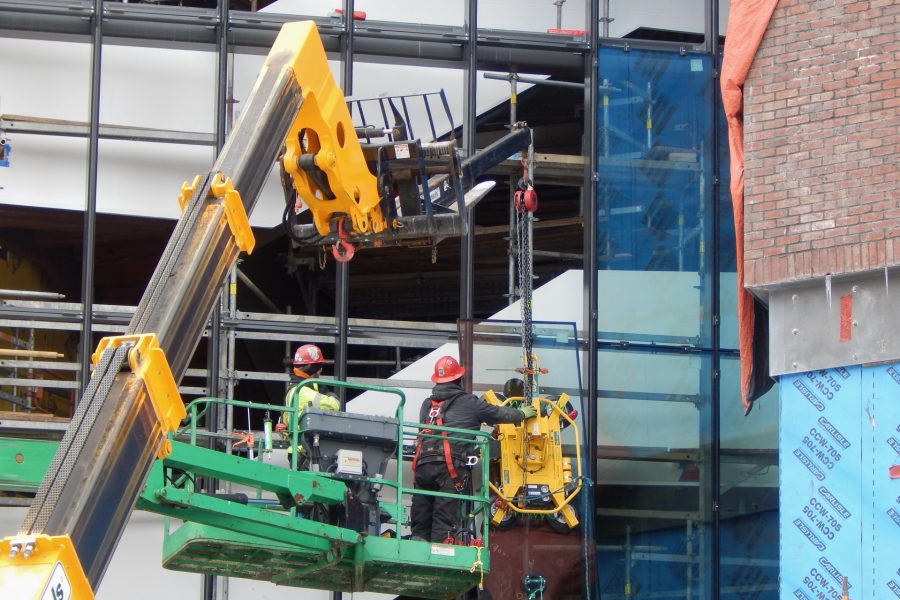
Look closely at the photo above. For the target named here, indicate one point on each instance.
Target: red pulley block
(526, 200)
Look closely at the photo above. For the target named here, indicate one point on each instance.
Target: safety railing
(478, 498)
(374, 116)
(480, 439)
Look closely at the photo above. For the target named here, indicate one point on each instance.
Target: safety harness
(436, 417)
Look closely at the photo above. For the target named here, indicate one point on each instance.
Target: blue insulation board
(839, 436)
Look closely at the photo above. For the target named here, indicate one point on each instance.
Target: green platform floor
(391, 566)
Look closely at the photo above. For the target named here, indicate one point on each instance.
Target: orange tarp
(747, 23)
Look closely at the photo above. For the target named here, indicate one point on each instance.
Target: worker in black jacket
(440, 465)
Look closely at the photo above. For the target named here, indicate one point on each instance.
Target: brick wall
(822, 184)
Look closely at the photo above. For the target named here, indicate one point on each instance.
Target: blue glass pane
(748, 487)
(727, 250)
(654, 493)
(655, 196)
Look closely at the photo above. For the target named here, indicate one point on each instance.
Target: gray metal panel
(805, 322)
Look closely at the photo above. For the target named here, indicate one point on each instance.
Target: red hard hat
(308, 354)
(447, 369)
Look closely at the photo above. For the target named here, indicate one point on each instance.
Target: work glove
(328, 402)
(529, 411)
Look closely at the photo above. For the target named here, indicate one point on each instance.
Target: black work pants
(433, 518)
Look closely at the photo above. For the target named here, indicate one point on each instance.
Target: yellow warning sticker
(58, 586)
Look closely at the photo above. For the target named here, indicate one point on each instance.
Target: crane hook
(343, 250)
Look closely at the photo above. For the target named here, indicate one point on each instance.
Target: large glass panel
(724, 11)
(306, 8)
(449, 12)
(748, 461)
(152, 99)
(157, 105)
(654, 467)
(657, 19)
(161, 88)
(531, 15)
(536, 547)
(39, 74)
(654, 198)
(728, 290)
(47, 89)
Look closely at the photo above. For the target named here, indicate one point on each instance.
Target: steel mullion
(590, 292)
(90, 211)
(467, 241)
(715, 417)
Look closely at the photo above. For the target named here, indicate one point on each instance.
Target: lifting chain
(523, 219)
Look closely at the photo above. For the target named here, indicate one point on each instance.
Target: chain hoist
(525, 201)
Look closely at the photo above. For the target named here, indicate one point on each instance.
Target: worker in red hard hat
(307, 364)
(441, 465)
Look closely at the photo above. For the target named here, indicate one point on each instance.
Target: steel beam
(470, 91)
(63, 128)
(342, 269)
(90, 208)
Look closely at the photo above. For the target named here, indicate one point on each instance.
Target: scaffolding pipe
(559, 4)
(30, 295)
(534, 80)
(29, 353)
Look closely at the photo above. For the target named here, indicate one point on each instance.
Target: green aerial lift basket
(376, 564)
(269, 537)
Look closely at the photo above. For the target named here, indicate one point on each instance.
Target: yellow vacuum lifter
(534, 477)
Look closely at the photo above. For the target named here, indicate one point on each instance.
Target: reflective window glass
(544, 16)
(307, 8)
(656, 19)
(727, 243)
(450, 12)
(536, 548)
(654, 196)
(654, 470)
(748, 485)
